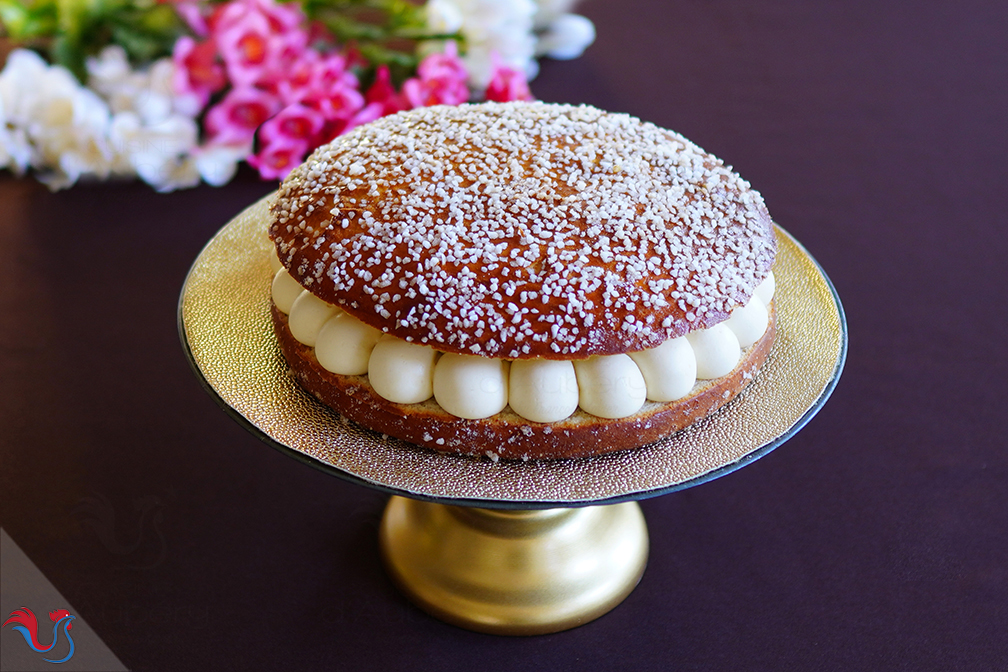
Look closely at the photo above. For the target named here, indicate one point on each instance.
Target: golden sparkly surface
(224, 315)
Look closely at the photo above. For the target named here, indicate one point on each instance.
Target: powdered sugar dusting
(522, 230)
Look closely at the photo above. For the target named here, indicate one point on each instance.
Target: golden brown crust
(523, 230)
(508, 435)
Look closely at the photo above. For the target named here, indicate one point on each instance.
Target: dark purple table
(875, 539)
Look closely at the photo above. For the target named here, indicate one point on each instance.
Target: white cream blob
(610, 386)
(749, 322)
(344, 345)
(307, 315)
(274, 260)
(402, 372)
(716, 349)
(285, 290)
(469, 386)
(543, 390)
(670, 370)
(765, 290)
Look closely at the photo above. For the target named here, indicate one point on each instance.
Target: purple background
(875, 539)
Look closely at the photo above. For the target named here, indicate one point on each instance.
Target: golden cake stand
(504, 547)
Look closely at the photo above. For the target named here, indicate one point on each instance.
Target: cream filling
(307, 315)
(669, 370)
(539, 390)
(716, 349)
(344, 345)
(469, 386)
(610, 386)
(765, 290)
(274, 261)
(402, 372)
(543, 390)
(748, 323)
(285, 290)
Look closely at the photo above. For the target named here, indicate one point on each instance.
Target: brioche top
(522, 230)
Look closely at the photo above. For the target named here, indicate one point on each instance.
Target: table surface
(877, 538)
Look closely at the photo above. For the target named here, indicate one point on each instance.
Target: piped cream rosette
(539, 390)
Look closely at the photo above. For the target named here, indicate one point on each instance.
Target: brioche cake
(521, 280)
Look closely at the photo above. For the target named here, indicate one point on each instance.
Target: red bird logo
(28, 627)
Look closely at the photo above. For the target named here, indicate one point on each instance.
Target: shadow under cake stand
(504, 547)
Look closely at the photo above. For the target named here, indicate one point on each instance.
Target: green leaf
(66, 51)
(346, 29)
(24, 22)
(377, 54)
(139, 45)
(72, 17)
(14, 17)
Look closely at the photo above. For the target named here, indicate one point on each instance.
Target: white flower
(65, 131)
(159, 79)
(179, 173)
(510, 33)
(152, 134)
(68, 128)
(15, 149)
(548, 11)
(566, 37)
(443, 17)
(147, 92)
(22, 73)
(52, 123)
(72, 150)
(494, 32)
(108, 71)
(217, 163)
(160, 153)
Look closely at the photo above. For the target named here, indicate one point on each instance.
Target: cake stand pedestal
(505, 547)
(514, 572)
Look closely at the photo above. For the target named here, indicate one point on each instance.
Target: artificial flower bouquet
(178, 92)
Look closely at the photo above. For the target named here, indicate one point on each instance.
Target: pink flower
(283, 17)
(280, 18)
(197, 72)
(315, 77)
(292, 57)
(285, 91)
(507, 84)
(382, 93)
(294, 122)
(258, 40)
(247, 48)
(443, 66)
(301, 78)
(337, 105)
(334, 95)
(235, 119)
(420, 93)
(277, 158)
(441, 80)
(333, 74)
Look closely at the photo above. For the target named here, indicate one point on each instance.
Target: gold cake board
(507, 547)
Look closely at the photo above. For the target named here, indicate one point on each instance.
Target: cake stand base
(526, 572)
